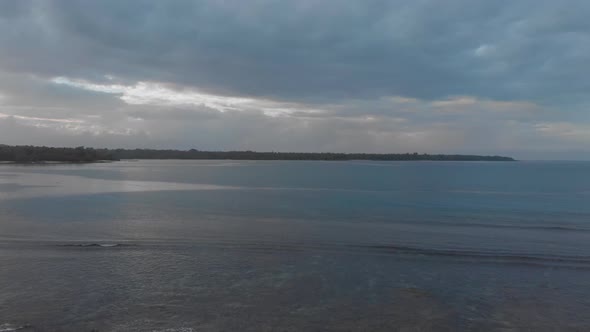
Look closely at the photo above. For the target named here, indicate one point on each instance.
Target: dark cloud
(313, 49)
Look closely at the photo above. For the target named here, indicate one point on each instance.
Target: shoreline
(43, 154)
(49, 162)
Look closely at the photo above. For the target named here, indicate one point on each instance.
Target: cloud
(152, 93)
(575, 133)
(310, 49)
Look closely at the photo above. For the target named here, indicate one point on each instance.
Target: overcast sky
(454, 76)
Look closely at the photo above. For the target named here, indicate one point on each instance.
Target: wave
(11, 328)
(515, 257)
(95, 245)
(571, 228)
(483, 255)
(471, 255)
(542, 227)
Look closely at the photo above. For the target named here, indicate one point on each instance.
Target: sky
(378, 76)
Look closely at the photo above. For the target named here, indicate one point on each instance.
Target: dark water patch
(486, 256)
(416, 292)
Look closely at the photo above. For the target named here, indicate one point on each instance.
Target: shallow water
(290, 246)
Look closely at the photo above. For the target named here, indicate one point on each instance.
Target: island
(40, 154)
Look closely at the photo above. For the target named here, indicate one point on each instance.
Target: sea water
(295, 246)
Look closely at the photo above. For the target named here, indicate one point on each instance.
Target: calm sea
(295, 246)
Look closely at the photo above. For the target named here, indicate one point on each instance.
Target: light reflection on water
(27, 185)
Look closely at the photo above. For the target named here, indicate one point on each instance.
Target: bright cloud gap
(153, 93)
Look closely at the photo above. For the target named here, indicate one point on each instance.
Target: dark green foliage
(81, 154)
(251, 155)
(32, 154)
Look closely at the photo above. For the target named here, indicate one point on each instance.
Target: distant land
(39, 154)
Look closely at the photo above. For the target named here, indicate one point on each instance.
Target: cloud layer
(505, 77)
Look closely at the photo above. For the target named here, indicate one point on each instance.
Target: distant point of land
(40, 154)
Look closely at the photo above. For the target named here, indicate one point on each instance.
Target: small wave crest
(541, 227)
(6, 327)
(94, 245)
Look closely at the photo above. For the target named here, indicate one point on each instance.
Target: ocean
(166, 245)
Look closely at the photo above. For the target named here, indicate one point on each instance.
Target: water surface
(291, 246)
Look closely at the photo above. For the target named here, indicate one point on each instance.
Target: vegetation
(251, 155)
(35, 154)
(82, 154)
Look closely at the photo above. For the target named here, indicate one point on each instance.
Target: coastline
(43, 154)
(50, 162)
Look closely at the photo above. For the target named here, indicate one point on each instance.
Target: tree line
(31, 154)
(28, 154)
